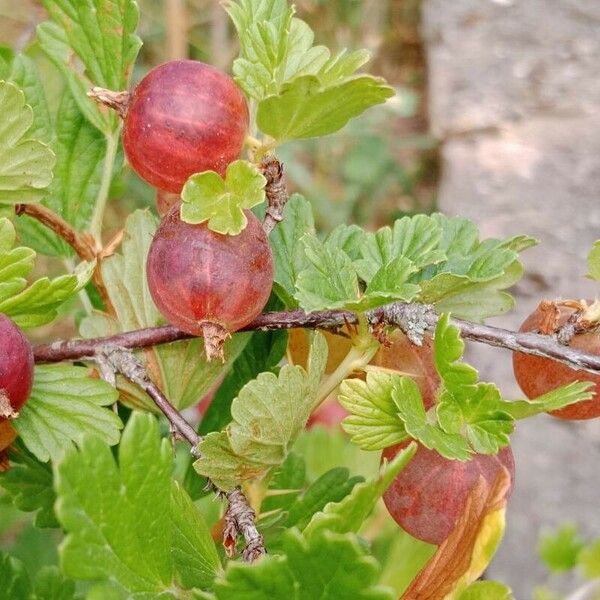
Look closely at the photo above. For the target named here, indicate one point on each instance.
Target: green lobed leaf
(474, 409)
(390, 284)
(306, 108)
(559, 550)
(14, 578)
(25, 163)
(574, 392)
(101, 35)
(128, 524)
(332, 486)
(268, 414)
(28, 484)
(288, 249)
(373, 423)
(593, 262)
(65, 404)
(195, 558)
(51, 584)
(286, 484)
(330, 281)
(589, 560)
(486, 590)
(180, 369)
(349, 514)
(37, 304)
(410, 407)
(327, 566)
(80, 152)
(208, 197)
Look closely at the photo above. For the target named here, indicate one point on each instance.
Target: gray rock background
(515, 98)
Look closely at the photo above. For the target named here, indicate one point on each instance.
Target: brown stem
(276, 192)
(59, 226)
(411, 318)
(240, 517)
(118, 101)
(81, 244)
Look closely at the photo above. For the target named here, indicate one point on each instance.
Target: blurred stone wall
(515, 99)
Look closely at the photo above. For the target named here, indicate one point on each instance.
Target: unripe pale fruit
(197, 276)
(429, 494)
(418, 361)
(16, 368)
(184, 117)
(537, 375)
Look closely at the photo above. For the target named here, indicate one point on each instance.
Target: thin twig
(82, 244)
(276, 191)
(240, 517)
(411, 318)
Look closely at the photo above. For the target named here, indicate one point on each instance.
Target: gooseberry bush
(224, 296)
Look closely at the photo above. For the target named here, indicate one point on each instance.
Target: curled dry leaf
(457, 559)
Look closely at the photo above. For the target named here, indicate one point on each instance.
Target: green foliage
(100, 34)
(326, 566)
(37, 304)
(589, 560)
(131, 524)
(25, 162)
(560, 549)
(221, 202)
(426, 259)
(349, 514)
(28, 483)
(302, 90)
(486, 590)
(65, 404)
(594, 262)
(268, 414)
(288, 250)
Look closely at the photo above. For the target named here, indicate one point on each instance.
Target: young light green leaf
(328, 566)
(288, 250)
(126, 526)
(589, 560)
(466, 406)
(349, 514)
(578, 391)
(38, 304)
(101, 34)
(373, 423)
(560, 549)
(330, 280)
(332, 486)
(410, 407)
(25, 163)
(29, 485)
(305, 108)
(268, 414)
(208, 197)
(350, 238)
(593, 261)
(65, 404)
(390, 284)
(486, 590)
(80, 150)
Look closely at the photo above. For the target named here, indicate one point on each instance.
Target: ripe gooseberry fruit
(416, 361)
(207, 283)
(537, 375)
(184, 117)
(16, 368)
(429, 494)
